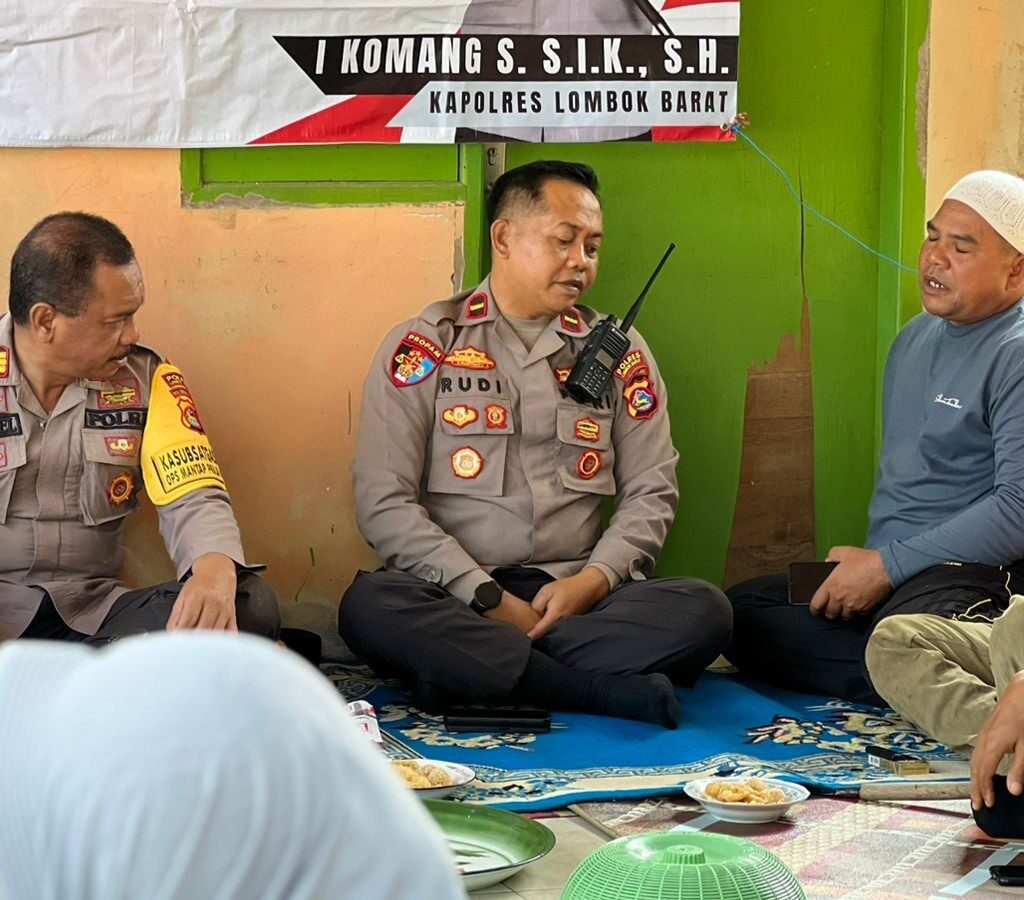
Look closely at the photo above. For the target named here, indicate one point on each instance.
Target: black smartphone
(497, 718)
(805, 578)
(1011, 876)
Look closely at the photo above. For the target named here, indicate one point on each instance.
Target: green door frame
(902, 193)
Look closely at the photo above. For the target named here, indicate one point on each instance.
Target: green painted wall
(813, 76)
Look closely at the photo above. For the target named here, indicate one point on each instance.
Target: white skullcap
(998, 198)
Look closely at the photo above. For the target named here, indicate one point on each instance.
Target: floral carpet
(728, 726)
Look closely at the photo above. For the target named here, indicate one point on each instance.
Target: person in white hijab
(198, 766)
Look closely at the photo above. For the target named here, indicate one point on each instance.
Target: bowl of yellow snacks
(432, 779)
(746, 799)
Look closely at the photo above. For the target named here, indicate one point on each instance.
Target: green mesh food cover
(676, 865)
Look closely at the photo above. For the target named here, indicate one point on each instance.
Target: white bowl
(460, 775)
(746, 812)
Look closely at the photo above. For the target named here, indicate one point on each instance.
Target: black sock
(646, 698)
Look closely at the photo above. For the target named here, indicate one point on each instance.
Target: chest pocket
(12, 458)
(110, 474)
(469, 445)
(586, 457)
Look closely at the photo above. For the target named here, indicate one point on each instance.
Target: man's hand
(515, 611)
(1003, 733)
(857, 584)
(566, 597)
(207, 599)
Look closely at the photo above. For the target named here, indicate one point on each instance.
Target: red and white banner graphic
(214, 73)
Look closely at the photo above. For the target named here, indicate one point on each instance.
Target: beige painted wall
(273, 314)
(976, 91)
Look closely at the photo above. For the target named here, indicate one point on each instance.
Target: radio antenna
(635, 308)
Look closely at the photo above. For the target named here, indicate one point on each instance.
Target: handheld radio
(604, 349)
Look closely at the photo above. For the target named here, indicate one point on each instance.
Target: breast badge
(469, 358)
(125, 392)
(460, 416)
(497, 416)
(415, 360)
(589, 464)
(466, 463)
(587, 429)
(119, 491)
(121, 446)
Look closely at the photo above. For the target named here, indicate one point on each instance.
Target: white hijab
(198, 766)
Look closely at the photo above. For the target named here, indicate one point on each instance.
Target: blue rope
(737, 129)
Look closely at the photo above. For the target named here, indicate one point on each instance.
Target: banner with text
(209, 73)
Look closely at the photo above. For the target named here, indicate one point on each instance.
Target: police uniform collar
(9, 371)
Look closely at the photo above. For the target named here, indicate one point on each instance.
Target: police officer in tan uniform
(87, 415)
(480, 484)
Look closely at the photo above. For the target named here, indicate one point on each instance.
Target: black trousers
(406, 627)
(788, 646)
(148, 609)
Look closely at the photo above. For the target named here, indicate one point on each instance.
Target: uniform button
(432, 574)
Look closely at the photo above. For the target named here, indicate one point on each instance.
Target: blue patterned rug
(729, 725)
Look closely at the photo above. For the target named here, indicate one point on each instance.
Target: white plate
(746, 812)
(460, 775)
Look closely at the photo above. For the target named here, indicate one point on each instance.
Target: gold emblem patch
(588, 465)
(497, 416)
(469, 358)
(460, 416)
(466, 463)
(121, 446)
(587, 429)
(120, 489)
(121, 395)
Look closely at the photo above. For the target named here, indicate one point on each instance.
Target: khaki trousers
(945, 675)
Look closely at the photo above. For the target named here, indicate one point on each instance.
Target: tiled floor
(545, 879)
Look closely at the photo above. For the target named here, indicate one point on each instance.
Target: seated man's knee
(1008, 629)
(370, 597)
(703, 614)
(256, 607)
(886, 646)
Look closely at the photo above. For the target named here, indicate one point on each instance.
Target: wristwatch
(486, 597)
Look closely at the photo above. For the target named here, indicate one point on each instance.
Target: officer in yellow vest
(87, 416)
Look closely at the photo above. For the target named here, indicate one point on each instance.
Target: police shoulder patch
(414, 360)
(630, 365)
(177, 457)
(640, 396)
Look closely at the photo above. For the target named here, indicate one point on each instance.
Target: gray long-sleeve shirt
(950, 483)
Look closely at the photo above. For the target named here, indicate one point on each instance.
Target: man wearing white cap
(946, 522)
